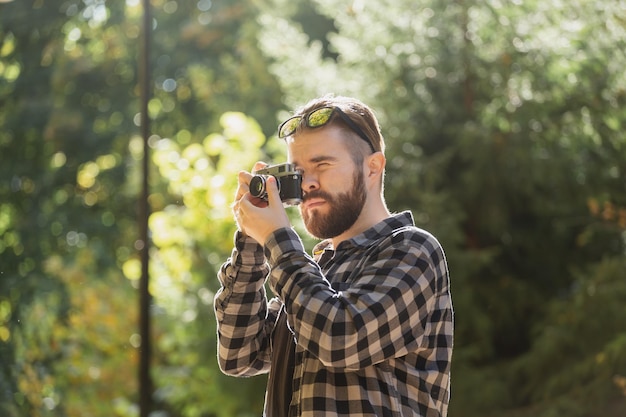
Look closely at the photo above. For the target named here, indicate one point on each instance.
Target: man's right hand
(244, 188)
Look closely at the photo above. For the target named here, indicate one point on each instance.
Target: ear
(375, 166)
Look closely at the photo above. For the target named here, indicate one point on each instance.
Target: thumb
(273, 195)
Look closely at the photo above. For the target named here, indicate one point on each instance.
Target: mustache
(316, 194)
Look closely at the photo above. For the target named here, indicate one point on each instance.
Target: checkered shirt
(372, 319)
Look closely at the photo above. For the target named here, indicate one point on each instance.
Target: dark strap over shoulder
(279, 385)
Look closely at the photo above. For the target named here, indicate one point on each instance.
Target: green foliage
(193, 239)
(67, 213)
(582, 340)
(70, 179)
(504, 123)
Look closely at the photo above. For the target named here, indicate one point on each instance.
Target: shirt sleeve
(395, 304)
(244, 317)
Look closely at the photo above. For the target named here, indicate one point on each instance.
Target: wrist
(281, 241)
(247, 252)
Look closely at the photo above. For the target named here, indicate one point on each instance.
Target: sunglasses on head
(318, 118)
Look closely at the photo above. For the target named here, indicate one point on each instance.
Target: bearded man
(364, 326)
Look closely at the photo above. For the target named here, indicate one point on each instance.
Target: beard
(345, 209)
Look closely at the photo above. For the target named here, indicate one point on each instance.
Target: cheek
(336, 180)
(331, 176)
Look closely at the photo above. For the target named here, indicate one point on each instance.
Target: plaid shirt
(372, 319)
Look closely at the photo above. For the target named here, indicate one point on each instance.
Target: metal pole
(145, 299)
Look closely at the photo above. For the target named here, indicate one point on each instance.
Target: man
(363, 328)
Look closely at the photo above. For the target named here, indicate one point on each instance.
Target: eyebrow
(317, 159)
(322, 158)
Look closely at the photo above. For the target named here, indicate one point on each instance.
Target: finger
(243, 179)
(273, 195)
(245, 204)
(259, 165)
(233, 207)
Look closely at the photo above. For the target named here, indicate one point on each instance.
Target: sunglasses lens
(289, 127)
(319, 117)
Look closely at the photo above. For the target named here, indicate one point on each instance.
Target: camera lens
(257, 186)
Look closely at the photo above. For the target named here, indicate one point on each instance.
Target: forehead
(311, 144)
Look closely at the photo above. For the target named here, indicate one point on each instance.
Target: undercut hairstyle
(358, 112)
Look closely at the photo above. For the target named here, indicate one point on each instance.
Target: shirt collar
(381, 229)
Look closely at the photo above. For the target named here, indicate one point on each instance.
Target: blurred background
(506, 130)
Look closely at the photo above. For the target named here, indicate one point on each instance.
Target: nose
(309, 183)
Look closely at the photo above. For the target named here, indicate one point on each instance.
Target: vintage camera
(289, 182)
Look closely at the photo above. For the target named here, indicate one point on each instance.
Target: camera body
(288, 179)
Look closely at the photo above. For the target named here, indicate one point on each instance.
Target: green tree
(70, 180)
(67, 217)
(504, 128)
